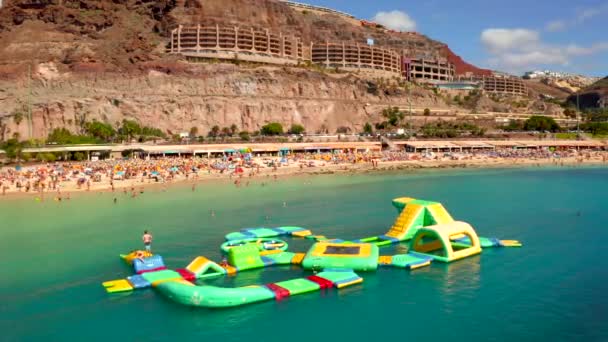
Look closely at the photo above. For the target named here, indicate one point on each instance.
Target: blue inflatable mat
(138, 282)
(148, 264)
(268, 261)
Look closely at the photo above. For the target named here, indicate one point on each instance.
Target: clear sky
(510, 35)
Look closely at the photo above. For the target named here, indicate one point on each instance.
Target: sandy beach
(57, 181)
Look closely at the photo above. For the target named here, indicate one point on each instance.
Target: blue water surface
(55, 256)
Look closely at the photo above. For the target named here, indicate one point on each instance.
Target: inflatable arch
(440, 242)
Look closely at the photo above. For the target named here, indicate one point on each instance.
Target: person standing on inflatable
(147, 238)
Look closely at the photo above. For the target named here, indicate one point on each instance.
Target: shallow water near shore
(55, 256)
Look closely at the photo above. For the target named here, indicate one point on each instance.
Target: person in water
(147, 238)
(224, 262)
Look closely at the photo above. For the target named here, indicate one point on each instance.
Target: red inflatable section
(279, 292)
(187, 275)
(324, 283)
(152, 270)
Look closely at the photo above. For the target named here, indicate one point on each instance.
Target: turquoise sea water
(55, 256)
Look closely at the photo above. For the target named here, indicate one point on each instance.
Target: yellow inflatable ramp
(412, 215)
(302, 233)
(198, 265)
(230, 270)
(119, 285)
(297, 258)
(385, 260)
(439, 214)
(128, 258)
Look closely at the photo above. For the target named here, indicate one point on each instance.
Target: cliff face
(589, 97)
(461, 67)
(106, 60)
(121, 34)
(201, 96)
(106, 35)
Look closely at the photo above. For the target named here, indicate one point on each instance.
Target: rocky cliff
(200, 96)
(106, 60)
(589, 97)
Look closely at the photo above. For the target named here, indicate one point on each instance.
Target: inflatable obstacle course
(240, 259)
(432, 233)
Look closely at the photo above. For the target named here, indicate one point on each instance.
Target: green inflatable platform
(214, 297)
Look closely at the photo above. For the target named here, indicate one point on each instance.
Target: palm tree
(193, 132)
(214, 132)
(226, 132)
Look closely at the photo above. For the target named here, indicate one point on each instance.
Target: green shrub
(273, 128)
(541, 123)
(244, 135)
(297, 129)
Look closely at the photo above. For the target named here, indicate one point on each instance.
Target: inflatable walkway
(151, 270)
(258, 233)
(218, 297)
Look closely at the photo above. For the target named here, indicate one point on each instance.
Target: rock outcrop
(201, 96)
(590, 97)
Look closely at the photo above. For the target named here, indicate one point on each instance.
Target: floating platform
(262, 232)
(220, 297)
(440, 242)
(433, 234)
